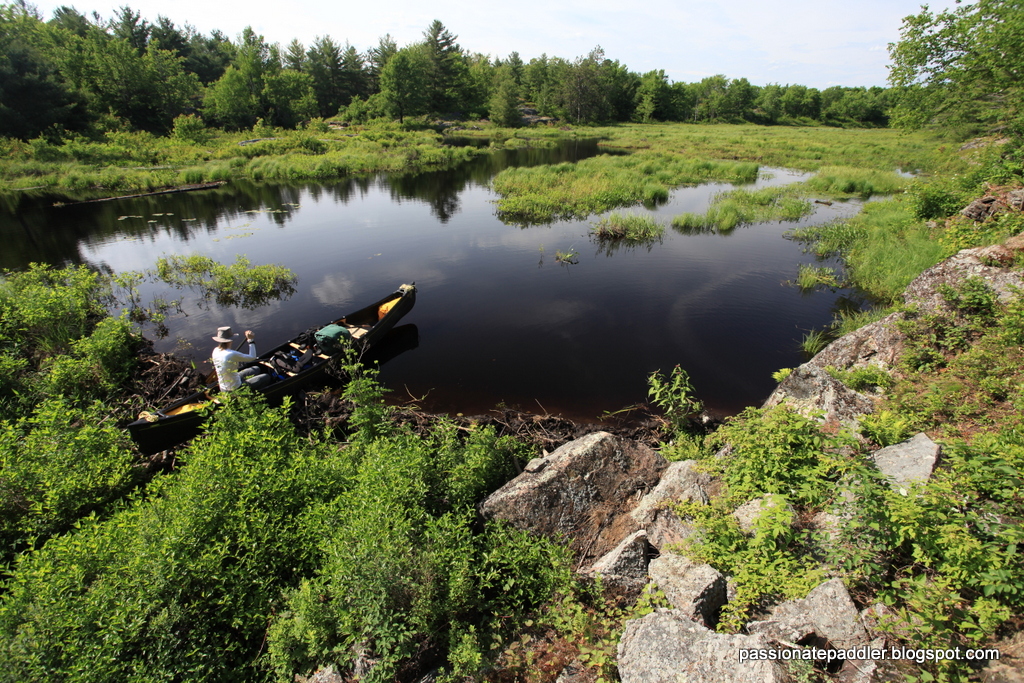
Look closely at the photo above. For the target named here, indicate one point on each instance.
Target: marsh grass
(814, 341)
(743, 207)
(845, 181)
(142, 162)
(804, 148)
(884, 247)
(811, 277)
(848, 321)
(629, 228)
(541, 194)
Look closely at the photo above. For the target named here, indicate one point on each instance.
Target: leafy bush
(56, 466)
(190, 128)
(941, 196)
(675, 396)
(45, 309)
(97, 365)
(777, 451)
(178, 584)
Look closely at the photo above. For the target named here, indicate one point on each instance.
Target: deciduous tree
(960, 66)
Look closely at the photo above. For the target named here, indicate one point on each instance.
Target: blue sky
(818, 43)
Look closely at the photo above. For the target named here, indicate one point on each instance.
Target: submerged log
(173, 190)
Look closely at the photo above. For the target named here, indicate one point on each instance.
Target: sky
(817, 43)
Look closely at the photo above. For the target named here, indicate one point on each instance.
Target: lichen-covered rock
(827, 613)
(879, 343)
(667, 647)
(696, 590)
(924, 290)
(908, 462)
(668, 530)
(625, 566)
(812, 392)
(680, 481)
(583, 493)
(870, 670)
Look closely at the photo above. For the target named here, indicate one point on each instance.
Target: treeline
(75, 73)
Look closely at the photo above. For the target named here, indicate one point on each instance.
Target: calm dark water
(499, 320)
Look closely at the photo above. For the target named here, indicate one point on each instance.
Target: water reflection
(491, 326)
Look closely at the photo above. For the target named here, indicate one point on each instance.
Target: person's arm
(251, 338)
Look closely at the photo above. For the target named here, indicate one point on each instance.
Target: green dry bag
(332, 339)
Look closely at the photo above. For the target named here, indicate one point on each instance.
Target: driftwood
(173, 190)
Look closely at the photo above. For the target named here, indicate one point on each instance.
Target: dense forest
(74, 74)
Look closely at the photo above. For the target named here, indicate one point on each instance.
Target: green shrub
(941, 196)
(190, 128)
(47, 309)
(180, 583)
(56, 466)
(777, 451)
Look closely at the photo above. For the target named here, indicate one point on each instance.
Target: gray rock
(870, 670)
(748, 513)
(680, 481)
(827, 613)
(696, 590)
(911, 461)
(584, 493)
(536, 465)
(667, 647)
(812, 392)
(982, 208)
(325, 675)
(668, 531)
(879, 343)
(924, 292)
(625, 566)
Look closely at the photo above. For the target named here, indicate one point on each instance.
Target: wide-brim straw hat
(224, 334)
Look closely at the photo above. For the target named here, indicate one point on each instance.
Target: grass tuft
(631, 228)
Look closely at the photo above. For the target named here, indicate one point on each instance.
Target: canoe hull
(171, 427)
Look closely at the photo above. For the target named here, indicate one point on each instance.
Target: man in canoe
(226, 362)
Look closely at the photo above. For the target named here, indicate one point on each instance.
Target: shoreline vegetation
(344, 556)
(686, 154)
(267, 550)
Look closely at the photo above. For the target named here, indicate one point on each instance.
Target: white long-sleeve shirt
(226, 362)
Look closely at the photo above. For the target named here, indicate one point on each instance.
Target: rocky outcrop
(810, 390)
(696, 590)
(908, 462)
(667, 647)
(986, 207)
(924, 291)
(582, 493)
(879, 343)
(826, 616)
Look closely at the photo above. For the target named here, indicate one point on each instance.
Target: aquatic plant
(631, 228)
(743, 207)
